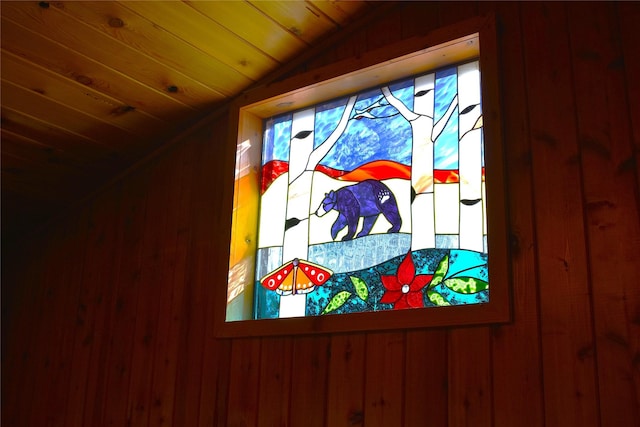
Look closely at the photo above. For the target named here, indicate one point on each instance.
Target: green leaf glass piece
(441, 271)
(437, 299)
(466, 285)
(361, 287)
(337, 301)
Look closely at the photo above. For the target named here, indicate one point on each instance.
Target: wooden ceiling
(89, 88)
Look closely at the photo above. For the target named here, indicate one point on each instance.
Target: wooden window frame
(472, 39)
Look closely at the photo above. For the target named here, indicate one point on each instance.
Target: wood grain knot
(356, 417)
(585, 352)
(600, 204)
(118, 111)
(545, 138)
(116, 23)
(84, 80)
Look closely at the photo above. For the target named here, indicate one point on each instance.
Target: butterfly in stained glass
(296, 277)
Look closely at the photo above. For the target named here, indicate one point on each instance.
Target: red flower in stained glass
(404, 290)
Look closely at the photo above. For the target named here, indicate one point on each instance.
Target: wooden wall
(108, 314)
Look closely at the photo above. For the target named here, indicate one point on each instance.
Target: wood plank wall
(107, 315)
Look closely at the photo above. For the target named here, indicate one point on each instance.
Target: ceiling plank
(44, 173)
(376, 11)
(196, 29)
(68, 92)
(55, 138)
(340, 12)
(297, 17)
(17, 145)
(263, 33)
(74, 34)
(41, 50)
(34, 104)
(145, 36)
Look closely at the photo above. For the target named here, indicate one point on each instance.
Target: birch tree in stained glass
(381, 195)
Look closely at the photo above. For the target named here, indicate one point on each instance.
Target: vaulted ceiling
(90, 88)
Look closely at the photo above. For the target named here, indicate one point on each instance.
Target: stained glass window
(371, 202)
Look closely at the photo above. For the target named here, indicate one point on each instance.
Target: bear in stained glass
(367, 199)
